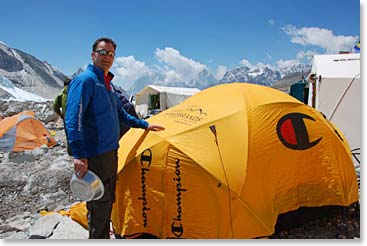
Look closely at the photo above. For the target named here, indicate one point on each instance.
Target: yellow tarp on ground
(77, 212)
(232, 158)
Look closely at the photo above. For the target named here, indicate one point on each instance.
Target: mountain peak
(203, 80)
(264, 75)
(28, 73)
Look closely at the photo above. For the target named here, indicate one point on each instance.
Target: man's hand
(80, 167)
(155, 128)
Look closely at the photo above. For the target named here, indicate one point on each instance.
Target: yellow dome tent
(232, 158)
(23, 132)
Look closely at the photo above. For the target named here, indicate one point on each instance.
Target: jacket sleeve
(79, 94)
(128, 119)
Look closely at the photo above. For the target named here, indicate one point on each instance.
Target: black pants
(99, 211)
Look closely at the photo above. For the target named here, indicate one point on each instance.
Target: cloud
(127, 70)
(221, 70)
(173, 67)
(305, 55)
(286, 63)
(271, 22)
(301, 57)
(321, 37)
(171, 76)
(258, 65)
(246, 63)
(176, 67)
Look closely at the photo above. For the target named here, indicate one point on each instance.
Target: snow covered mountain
(38, 77)
(9, 92)
(260, 75)
(153, 78)
(264, 75)
(28, 73)
(299, 68)
(203, 80)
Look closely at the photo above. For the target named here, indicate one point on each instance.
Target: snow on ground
(18, 94)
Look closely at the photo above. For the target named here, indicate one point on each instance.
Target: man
(59, 106)
(59, 103)
(93, 115)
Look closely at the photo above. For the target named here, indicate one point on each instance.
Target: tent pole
(214, 131)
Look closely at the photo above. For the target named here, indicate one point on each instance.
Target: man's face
(103, 56)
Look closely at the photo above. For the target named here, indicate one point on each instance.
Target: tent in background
(227, 168)
(23, 132)
(336, 92)
(156, 98)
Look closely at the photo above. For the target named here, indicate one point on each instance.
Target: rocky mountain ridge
(29, 73)
(264, 75)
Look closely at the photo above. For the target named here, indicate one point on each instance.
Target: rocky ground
(329, 223)
(34, 180)
(39, 180)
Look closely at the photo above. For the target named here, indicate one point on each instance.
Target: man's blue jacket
(93, 115)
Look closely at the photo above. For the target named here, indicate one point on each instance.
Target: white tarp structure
(168, 96)
(336, 92)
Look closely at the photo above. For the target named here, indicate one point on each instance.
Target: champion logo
(145, 162)
(293, 133)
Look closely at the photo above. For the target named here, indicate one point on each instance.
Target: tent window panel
(7, 140)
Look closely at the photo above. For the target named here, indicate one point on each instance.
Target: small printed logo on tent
(187, 115)
(292, 131)
(145, 161)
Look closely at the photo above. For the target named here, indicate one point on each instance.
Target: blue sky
(178, 38)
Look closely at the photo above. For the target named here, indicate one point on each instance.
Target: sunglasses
(105, 52)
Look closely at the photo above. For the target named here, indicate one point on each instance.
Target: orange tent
(23, 132)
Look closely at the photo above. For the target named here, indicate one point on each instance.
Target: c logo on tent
(292, 131)
(146, 158)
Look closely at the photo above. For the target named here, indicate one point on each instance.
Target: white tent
(336, 92)
(167, 97)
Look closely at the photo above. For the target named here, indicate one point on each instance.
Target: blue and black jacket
(93, 115)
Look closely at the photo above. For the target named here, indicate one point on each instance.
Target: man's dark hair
(107, 40)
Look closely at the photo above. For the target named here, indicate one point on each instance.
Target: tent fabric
(338, 93)
(173, 90)
(168, 96)
(227, 168)
(336, 65)
(77, 212)
(22, 132)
